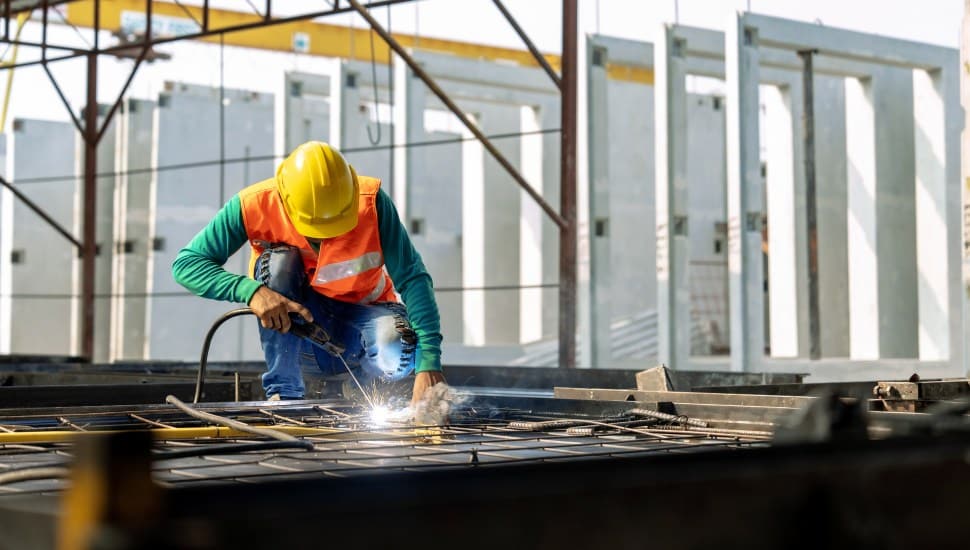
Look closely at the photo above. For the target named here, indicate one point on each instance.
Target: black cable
(204, 163)
(204, 358)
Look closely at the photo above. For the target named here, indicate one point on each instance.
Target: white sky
(933, 21)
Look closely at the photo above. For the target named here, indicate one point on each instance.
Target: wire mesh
(350, 444)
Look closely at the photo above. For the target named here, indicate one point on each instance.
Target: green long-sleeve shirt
(198, 267)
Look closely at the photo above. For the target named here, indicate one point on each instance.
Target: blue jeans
(379, 341)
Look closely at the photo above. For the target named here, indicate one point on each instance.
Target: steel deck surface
(348, 443)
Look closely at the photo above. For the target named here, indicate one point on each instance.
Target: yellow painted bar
(162, 434)
(323, 39)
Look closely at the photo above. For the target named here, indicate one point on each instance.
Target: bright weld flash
(380, 415)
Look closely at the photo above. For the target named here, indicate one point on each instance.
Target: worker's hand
(423, 381)
(273, 309)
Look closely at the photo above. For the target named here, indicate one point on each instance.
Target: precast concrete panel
(185, 199)
(695, 208)
(500, 216)
(707, 261)
(306, 109)
(623, 251)
(44, 264)
(493, 215)
(132, 240)
(338, 108)
(894, 164)
(105, 229)
(832, 205)
(366, 142)
(744, 197)
(896, 214)
(600, 287)
(703, 52)
(631, 160)
(435, 230)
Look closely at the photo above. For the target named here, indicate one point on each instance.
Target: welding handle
(315, 334)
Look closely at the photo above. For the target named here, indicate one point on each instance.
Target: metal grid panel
(348, 445)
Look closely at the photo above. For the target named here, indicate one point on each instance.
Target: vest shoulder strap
(368, 185)
(257, 188)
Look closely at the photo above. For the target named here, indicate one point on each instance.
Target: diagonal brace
(67, 104)
(541, 59)
(40, 212)
(433, 86)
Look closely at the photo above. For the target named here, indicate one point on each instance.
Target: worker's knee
(281, 269)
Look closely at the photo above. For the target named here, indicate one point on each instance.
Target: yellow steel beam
(163, 434)
(322, 39)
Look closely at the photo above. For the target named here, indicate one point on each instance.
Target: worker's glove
(423, 382)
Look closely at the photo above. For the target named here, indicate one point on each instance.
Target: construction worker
(327, 248)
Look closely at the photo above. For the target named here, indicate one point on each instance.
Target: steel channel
(854, 389)
(740, 399)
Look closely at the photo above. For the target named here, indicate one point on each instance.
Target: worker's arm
(198, 266)
(412, 281)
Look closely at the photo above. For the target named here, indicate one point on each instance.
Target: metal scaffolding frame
(91, 132)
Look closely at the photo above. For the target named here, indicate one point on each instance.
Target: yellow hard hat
(319, 190)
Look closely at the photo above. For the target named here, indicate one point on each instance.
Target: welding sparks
(383, 415)
(379, 415)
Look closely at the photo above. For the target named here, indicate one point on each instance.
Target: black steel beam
(808, 496)
(100, 395)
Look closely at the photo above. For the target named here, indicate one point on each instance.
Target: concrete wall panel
(831, 190)
(134, 157)
(43, 279)
(186, 199)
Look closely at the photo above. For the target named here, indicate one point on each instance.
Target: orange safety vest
(349, 268)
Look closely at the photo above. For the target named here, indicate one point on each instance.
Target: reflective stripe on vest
(376, 293)
(349, 268)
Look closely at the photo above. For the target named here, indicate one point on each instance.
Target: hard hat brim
(330, 228)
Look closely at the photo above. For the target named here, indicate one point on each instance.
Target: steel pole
(89, 210)
(811, 203)
(567, 192)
